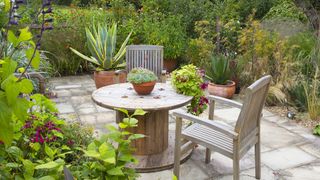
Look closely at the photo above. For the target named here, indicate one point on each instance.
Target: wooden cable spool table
(155, 151)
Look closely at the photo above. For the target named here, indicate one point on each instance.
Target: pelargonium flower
(27, 125)
(203, 100)
(204, 85)
(70, 142)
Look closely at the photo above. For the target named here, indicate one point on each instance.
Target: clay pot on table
(144, 88)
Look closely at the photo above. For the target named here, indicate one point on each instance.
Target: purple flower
(204, 85)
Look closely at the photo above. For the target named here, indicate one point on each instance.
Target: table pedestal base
(160, 161)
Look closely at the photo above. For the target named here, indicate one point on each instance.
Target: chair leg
(257, 154)
(177, 148)
(208, 156)
(236, 166)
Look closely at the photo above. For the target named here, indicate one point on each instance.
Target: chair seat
(210, 138)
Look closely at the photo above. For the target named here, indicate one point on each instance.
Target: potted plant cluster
(188, 80)
(142, 80)
(219, 74)
(101, 41)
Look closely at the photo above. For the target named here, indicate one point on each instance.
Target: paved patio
(288, 150)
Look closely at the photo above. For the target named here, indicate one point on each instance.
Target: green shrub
(167, 31)
(286, 9)
(69, 31)
(64, 2)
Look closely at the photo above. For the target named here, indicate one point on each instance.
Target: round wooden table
(155, 151)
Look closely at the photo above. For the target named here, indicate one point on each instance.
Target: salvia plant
(141, 75)
(13, 106)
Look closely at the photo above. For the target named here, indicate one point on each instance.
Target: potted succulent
(143, 80)
(219, 74)
(101, 41)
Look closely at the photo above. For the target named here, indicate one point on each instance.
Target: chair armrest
(225, 101)
(225, 129)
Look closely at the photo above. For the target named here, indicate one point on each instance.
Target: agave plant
(101, 41)
(218, 71)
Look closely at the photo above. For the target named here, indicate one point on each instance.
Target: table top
(163, 97)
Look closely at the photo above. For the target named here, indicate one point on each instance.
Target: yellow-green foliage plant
(313, 97)
(264, 52)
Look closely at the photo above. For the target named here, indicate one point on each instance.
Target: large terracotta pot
(170, 64)
(225, 91)
(144, 88)
(104, 78)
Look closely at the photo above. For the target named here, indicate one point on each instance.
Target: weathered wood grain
(163, 97)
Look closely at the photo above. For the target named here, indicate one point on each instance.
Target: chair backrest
(146, 56)
(250, 115)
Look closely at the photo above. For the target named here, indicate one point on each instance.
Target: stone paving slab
(287, 157)
(288, 151)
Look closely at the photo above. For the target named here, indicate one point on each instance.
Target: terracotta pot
(104, 78)
(170, 64)
(225, 91)
(144, 88)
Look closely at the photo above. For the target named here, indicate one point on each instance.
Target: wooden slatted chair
(233, 142)
(146, 56)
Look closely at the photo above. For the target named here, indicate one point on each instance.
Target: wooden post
(155, 126)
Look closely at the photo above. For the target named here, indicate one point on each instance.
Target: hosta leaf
(12, 91)
(123, 111)
(136, 136)
(91, 153)
(6, 133)
(33, 55)
(28, 169)
(47, 178)
(116, 171)
(26, 86)
(49, 151)
(15, 151)
(48, 165)
(35, 146)
(7, 5)
(122, 125)
(20, 109)
(13, 165)
(25, 35)
(7, 69)
(92, 146)
(107, 154)
(139, 112)
(126, 158)
(12, 38)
